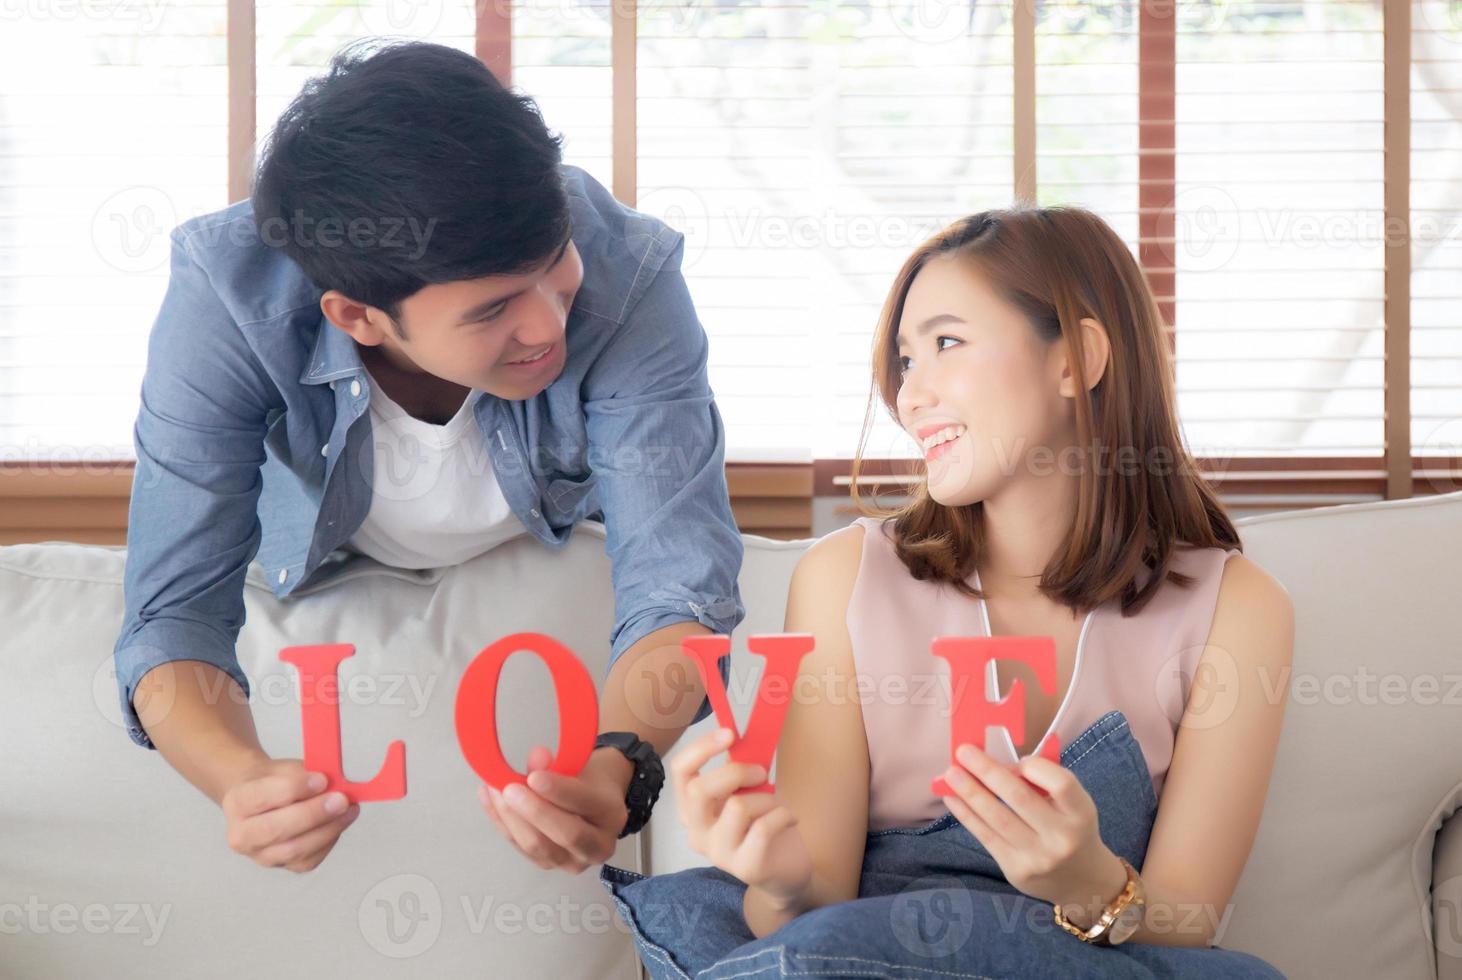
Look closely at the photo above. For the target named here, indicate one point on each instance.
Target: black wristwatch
(644, 785)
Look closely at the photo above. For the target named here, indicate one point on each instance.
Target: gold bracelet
(1112, 926)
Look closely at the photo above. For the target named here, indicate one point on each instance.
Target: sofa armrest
(1447, 898)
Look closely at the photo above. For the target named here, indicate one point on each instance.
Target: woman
(1060, 503)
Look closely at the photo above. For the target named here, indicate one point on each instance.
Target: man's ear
(366, 324)
(1096, 349)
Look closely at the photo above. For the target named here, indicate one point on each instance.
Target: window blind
(1279, 246)
(1086, 110)
(90, 185)
(561, 58)
(806, 149)
(1274, 204)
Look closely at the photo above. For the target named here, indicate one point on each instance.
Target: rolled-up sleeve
(193, 525)
(658, 447)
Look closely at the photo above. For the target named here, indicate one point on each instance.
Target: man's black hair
(406, 164)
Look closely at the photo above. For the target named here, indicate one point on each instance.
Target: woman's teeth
(943, 436)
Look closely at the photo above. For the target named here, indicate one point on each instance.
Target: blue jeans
(932, 904)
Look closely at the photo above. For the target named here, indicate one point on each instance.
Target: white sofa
(111, 865)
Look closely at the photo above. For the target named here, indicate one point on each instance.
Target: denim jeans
(932, 903)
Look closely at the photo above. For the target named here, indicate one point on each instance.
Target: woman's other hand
(753, 836)
(1039, 824)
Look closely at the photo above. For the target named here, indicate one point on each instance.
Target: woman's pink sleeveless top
(1141, 665)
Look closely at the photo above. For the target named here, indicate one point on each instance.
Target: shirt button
(533, 512)
(355, 388)
(325, 449)
(283, 574)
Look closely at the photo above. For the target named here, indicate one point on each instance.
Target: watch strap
(646, 781)
(1101, 932)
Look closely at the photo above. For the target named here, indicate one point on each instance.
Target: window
(294, 39)
(90, 186)
(805, 150)
(1280, 206)
(1248, 152)
(561, 56)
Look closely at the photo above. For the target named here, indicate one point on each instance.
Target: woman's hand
(1046, 841)
(750, 835)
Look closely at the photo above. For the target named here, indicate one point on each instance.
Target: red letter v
(783, 652)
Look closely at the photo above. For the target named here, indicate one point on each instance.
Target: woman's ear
(1097, 351)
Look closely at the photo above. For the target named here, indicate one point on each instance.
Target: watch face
(1126, 922)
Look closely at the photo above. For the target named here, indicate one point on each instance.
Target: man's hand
(572, 822)
(568, 822)
(278, 816)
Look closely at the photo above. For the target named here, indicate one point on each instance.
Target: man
(415, 254)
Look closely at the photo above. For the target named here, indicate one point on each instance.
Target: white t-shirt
(435, 500)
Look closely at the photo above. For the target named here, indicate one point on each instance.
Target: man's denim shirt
(253, 439)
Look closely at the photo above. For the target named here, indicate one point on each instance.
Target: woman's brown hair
(1058, 265)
